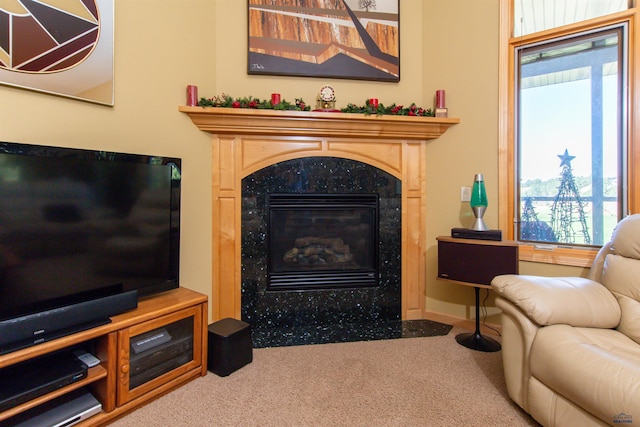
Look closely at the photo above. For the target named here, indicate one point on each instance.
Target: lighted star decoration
(566, 158)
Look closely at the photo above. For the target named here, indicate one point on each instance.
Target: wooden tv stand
(123, 381)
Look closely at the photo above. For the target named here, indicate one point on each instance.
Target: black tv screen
(76, 225)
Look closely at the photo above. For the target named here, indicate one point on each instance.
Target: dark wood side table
(472, 262)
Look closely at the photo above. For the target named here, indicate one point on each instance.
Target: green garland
(226, 101)
(395, 110)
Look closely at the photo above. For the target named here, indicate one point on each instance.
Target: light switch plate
(465, 194)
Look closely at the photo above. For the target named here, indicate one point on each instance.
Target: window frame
(507, 216)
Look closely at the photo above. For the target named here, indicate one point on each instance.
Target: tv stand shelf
(96, 373)
(109, 381)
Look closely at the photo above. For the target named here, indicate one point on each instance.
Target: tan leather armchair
(571, 345)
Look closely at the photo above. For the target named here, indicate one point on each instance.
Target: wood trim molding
(556, 254)
(248, 121)
(244, 141)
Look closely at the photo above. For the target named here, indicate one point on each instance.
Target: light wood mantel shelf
(247, 121)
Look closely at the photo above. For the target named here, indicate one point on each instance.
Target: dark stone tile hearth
(345, 332)
(424, 328)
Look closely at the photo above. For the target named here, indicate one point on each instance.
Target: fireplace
(340, 208)
(248, 140)
(320, 241)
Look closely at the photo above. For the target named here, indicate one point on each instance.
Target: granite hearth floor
(424, 328)
(346, 332)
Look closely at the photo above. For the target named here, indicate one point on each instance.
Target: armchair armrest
(574, 301)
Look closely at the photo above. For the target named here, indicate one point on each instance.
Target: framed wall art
(62, 48)
(350, 39)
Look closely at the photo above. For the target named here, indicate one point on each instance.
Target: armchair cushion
(624, 240)
(574, 301)
(620, 276)
(597, 369)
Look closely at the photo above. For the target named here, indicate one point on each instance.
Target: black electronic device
(467, 233)
(25, 331)
(64, 411)
(149, 340)
(82, 226)
(142, 361)
(27, 380)
(159, 360)
(159, 369)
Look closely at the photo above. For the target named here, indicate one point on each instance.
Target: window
(568, 138)
(565, 146)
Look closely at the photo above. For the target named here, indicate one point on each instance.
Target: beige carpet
(404, 382)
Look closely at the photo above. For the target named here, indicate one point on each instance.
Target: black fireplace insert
(322, 241)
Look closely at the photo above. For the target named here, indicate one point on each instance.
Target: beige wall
(460, 54)
(163, 45)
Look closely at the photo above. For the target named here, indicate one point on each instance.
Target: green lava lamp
(479, 203)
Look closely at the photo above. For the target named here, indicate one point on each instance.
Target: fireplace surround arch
(263, 152)
(245, 141)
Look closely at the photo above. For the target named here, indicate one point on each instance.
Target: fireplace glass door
(319, 241)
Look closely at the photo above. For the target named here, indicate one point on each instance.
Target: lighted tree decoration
(567, 211)
(531, 227)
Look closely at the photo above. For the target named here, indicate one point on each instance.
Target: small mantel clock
(326, 100)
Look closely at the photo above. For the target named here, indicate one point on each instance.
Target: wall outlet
(465, 194)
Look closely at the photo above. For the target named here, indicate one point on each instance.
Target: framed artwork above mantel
(344, 39)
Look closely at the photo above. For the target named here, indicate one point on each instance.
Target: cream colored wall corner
(460, 55)
(160, 47)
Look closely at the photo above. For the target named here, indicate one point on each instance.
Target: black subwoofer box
(229, 347)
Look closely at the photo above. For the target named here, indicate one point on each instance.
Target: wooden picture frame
(64, 50)
(350, 39)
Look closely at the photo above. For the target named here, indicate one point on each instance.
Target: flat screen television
(83, 235)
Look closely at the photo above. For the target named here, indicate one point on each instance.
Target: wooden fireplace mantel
(247, 121)
(246, 140)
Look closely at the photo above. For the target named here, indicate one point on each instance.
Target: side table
(472, 262)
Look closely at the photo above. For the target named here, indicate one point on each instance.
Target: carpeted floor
(426, 381)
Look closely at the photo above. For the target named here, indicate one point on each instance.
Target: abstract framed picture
(61, 47)
(347, 39)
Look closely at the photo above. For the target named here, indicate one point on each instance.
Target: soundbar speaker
(36, 328)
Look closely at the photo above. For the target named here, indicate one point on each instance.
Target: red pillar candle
(373, 102)
(275, 98)
(440, 99)
(192, 95)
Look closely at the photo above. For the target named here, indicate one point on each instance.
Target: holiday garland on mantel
(226, 101)
(396, 110)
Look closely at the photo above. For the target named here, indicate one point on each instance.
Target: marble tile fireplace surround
(258, 154)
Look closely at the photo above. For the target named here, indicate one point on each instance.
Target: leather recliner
(571, 345)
